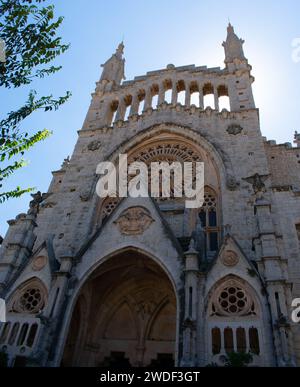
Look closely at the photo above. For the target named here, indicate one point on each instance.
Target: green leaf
(30, 31)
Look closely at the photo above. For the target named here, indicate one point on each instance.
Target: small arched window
(5, 331)
(23, 334)
(32, 335)
(241, 340)
(208, 94)
(13, 334)
(228, 340)
(112, 112)
(224, 101)
(209, 218)
(216, 340)
(168, 91)
(141, 102)
(181, 93)
(195, 95)
(154, 93)
(254, 340)
(128, 103)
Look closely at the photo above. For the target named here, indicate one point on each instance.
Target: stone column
(189, 358)
(201, 97)
(51, 340)
(201, 318)
(174, 93)
(121, 110)
(270, 261)
(217, 107)
(233, 96)
(148, 99)
(134, 105)
(188, 96)
(161, 94)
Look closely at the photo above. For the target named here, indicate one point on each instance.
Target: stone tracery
(30, 298)
(234, 319)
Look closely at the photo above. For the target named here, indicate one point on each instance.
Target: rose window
(31, 301)
(233, 300)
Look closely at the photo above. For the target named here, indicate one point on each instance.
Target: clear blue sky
(156, 33)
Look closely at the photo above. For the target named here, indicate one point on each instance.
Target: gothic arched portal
(125, 315)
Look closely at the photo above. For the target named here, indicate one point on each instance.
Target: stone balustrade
(187, 85)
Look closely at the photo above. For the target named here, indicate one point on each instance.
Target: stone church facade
(90, 281)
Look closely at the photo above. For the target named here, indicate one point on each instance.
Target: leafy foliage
(238, 359)
(29, 30)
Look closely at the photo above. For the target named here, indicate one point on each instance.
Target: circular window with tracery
(30, 299)
(166, 151)
(233, 300)
(170, 152)
(159, 151)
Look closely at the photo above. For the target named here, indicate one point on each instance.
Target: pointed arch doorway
(125, 315)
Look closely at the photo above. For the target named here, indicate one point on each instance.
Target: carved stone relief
(94, 145)
(234, 129)
(134, 221)
(230, 259)
(39, 263)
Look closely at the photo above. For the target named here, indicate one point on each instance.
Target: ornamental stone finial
(114, 68)
(233, 46)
